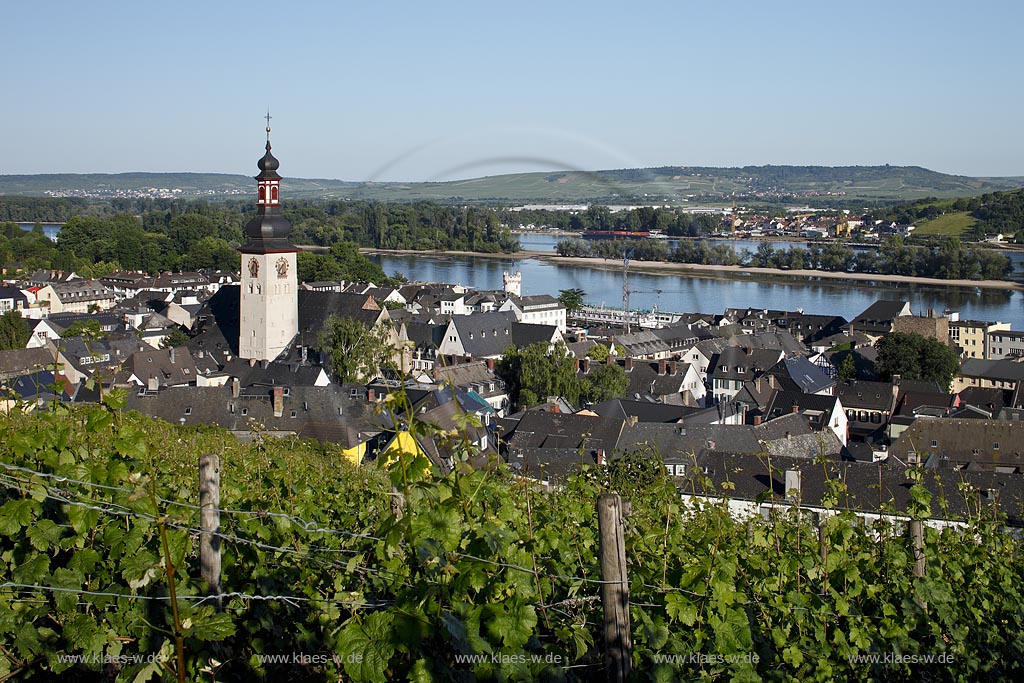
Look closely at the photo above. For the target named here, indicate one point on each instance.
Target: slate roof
(752, 361)
(168, 366)
(326, 414)
(549, 464)
(16, 362)
(878, 318)
(752, 479)
(273, 374)
(992, 400)
(862, 395)
(644, 380)
(644, 411)
(815, 408)
(486, 334)
(1004, 370)
(799, 374)
(558, 430)
(986, 443)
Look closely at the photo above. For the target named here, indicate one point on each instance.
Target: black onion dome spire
(268, 230)
(268, 165)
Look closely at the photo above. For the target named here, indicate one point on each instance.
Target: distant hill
(814, 185)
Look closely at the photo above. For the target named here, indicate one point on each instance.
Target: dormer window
(188, 411)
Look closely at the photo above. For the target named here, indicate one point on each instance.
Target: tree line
(948, 260)
(155, 235)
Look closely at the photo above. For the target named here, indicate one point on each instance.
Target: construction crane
(627, 256)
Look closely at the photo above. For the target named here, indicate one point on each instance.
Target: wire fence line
(316, 554)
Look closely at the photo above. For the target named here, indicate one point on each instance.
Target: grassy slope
(950, 225)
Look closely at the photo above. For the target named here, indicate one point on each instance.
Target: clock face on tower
(254, 267)
(282, 267)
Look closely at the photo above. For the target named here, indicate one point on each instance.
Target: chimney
(469, 358)
(586, 365)
(490, 364)
(599, 456)
(796, 407)
(172, 355)
(792, 484)
(757, 420)
(235, 387)
(631, 420)
(628, 364)
(748, 350)
(278, 393)
(896, 379)
(661, 366)
(371, 395)
(673, 367)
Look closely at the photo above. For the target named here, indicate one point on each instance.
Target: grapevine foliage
(401, 574)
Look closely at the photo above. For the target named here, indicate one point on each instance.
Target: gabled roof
(555, 430)
(799, 374)
(327, 414)
(274, 374)
(815, 408)
(878, 317)
(871, 487)
(486, 334)
(23, 361)
(752, 362)
(643, 411)
(1004, 370)
(989, 443)
(644, 379)
(168, 367)
(862, 395)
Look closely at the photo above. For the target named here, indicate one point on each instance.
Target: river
(686, 293)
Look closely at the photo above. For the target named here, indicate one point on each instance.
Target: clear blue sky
(427, 91)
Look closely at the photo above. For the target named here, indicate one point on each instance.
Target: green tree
(912, 356)
(572, 299)
(354, 352)
(603, 383)
(598, 353)
(847, 367)
(533, 373)
(176, 337)
(84, 328)
(14, 331)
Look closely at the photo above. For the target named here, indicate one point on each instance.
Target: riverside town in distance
(542, 388)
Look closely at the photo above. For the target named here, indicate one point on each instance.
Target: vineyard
(372, 574)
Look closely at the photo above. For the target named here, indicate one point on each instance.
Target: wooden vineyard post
(614, 589)
(209, 521)
(917, 535)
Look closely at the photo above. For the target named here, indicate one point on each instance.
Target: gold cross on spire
(268, 117)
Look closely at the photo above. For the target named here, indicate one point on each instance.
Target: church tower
(269, 311)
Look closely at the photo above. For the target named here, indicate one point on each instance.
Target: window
(935, 444)
(293, 413)
(245, 411)
(995, 445)
(188, 411)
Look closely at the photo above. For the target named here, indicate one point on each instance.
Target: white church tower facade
(269, 306)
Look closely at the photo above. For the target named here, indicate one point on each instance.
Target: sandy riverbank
(732, 272)
(720, 272)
